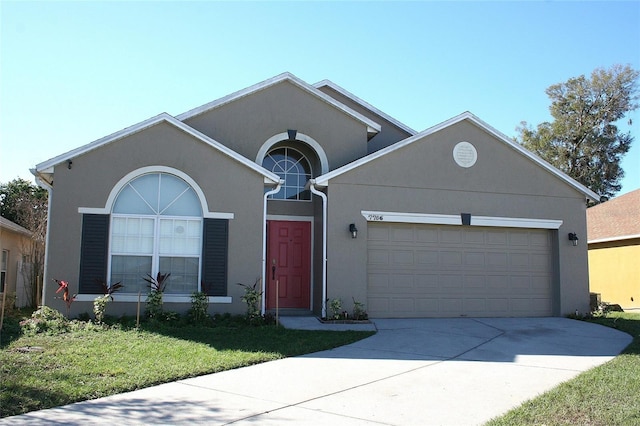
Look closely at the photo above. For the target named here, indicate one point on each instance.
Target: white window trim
(284, 136)
(283, 178)
(155, 255)
(107, 209)
(167, 298)
(444, 219)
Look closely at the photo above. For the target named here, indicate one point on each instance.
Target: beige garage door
(417, 270)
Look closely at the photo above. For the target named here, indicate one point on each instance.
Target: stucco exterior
(614, 272)
(614, 250)
(389, 183)
(359, 160)
(15, 242)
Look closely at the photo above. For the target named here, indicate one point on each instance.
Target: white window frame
(282, 191)
(155, 253)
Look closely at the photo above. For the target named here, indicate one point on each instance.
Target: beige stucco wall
(614, 272)
(229, 187)
(423, 178)
(17, 244)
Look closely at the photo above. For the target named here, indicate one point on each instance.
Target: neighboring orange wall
(614, 272)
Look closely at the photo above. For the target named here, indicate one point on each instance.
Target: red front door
(289, 250)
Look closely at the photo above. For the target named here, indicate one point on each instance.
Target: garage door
(417, 270)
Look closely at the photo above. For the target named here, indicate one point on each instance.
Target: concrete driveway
(412, 372)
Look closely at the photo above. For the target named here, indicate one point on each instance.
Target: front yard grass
(44, 371)
(603, 396)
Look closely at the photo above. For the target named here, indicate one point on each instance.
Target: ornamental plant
(154, 298)
(252, 297)
(199, 306)
(100, 302)
(336, 309)
(63, 286)
(359, 313)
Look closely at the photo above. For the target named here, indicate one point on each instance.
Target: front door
(289, 250)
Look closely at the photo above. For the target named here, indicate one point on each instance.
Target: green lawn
(606, 395)
(92, 363)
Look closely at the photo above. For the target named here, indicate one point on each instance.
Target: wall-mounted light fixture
(353, 230)
(69, 164)
(573, 238)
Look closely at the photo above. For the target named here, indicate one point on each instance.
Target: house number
(375, 217)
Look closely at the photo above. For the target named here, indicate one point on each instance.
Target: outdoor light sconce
(573, 238)
(353, 230)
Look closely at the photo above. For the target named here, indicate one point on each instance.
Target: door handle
(273, 270)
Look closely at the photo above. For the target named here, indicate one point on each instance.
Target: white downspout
(264, 244)
(322, 195)
(43, 184)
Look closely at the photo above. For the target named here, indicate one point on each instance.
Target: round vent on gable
(465, 154)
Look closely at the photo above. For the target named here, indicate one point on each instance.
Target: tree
(583, 140)
(26, 204)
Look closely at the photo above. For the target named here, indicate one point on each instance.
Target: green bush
(199, 306)
(45, 320)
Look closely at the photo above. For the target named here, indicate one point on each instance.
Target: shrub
(100, 302)
(252, 297)
(45, 320)
(154, 298)
(199, 307)
(359, 313)
(336, 309)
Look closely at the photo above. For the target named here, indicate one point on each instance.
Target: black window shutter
(94, 252)
(215, 239)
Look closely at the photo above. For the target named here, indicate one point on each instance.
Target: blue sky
(73, 72)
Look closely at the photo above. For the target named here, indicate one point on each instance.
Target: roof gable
(372, 127)
(364, 104)
(616, 219)
(45, 169)
(324, 179)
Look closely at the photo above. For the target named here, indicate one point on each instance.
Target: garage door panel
(378, 257)
(426, 235)
(476, 259)
(401, 258)
(475, 284)
(401, 234)
(426, 258)
(426, 283)
(450, 236)
(496, 237)
(402, 305)
(447, 271)
(474, 237)
(450, 258)
(518, 239)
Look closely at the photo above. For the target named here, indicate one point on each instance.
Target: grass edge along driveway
(45, 371)
(605, 395)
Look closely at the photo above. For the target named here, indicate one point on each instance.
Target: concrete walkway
(412, 372)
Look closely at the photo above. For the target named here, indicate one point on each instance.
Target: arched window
(156, 226)
(294, 168)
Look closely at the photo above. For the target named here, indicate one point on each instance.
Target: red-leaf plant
(63, 286)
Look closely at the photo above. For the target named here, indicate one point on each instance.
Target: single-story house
(614, 250)
(312, 188)
(15, 244)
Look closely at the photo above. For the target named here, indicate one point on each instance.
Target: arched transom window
(292, 167)
(156, 226)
